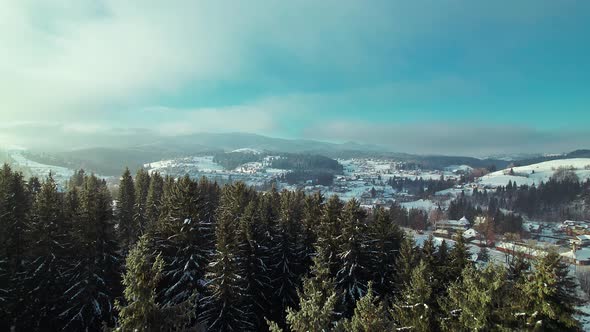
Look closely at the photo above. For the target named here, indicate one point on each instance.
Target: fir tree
(49, 254)
(223, 311)
(460, 257)
(329, 231)
(254, 257)
(406, 261)
(287, 251)
(312, 213)
(128, 229)
(370, 315)
(481, 301)
(385, 241)
(317, 302)
(142, 184)
(141, 311)
(154, 199)
(353, 274)
(413, 311)
(549, 295)
(94, 275)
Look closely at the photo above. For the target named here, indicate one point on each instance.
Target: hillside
(536, 173)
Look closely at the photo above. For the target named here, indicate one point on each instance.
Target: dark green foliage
(127, 227)
(353, 273)
(154, 200)
(224, 311)
(287, 268)
(317, 302)
(549, 295)
(49, 252)
(370, 315)
(231, 160)
(142, 184)
(95, 272)
(254, 259)
(141, 311)
(328, 233)
(384, 243)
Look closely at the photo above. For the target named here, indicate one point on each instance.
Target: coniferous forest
(164, 254)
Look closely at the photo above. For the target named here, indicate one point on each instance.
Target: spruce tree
(49, 259)
(142, 184)
(94, 274)
(384, 244)
(312, 213)
(328, 233)
(353, 275)
(141, 311)
(254, 256)
(287, 251)
(370, 314)
(14, 223)
(317, 301)
(549, 295)
(222, 306)
(459, 256)
(413, 310)
(481, 301)
(154, 199)
(184, 239)
(407, 260)
(128, 229)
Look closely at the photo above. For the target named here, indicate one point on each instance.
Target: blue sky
(411, 75)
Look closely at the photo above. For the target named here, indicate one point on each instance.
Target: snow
(204, 164)
(248, 150)
(422, 204)
(524, 175)
(60, 174)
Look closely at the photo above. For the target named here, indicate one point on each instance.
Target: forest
(165, 254)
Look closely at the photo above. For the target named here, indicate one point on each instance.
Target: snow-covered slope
(537, 173)
(248, 150)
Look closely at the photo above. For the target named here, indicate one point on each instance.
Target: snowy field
(60, 174)
(536, 173)
(202, 164)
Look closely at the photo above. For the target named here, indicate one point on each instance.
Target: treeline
(307, 162)
(551, 199)
(420, 187)
(185, 255)
(231, 160)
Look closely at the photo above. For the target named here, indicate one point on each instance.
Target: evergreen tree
(317, 301)
(385, 240)
(253, 269)
(413, 311)
(481, 301)
(142, 184)
(406, 261)
(353, 274)
(94, 275)
(141, 311)
(223, 311)
(312, 213)
(49, 252)
(329, 231)
(549, 295)
(287, 251)
(370, 315)
(128, 229)
(154, 199)
(14, 223)
(460, 257)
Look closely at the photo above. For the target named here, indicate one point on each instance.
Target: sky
(424, 76)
